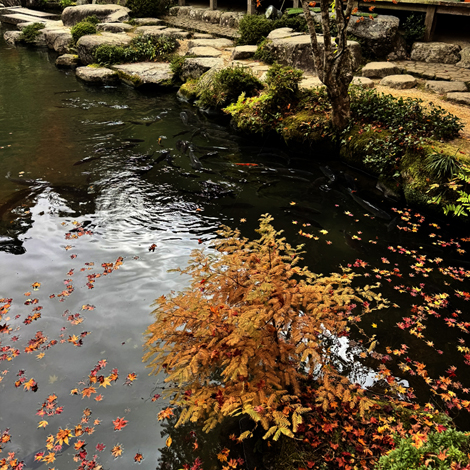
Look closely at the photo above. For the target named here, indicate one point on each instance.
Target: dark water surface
(114, 205)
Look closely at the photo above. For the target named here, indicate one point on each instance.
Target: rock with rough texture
(243, 52)
(148, 21)
(378, 35)
(310, 82)
(296, 51)
(379, 69)
(195, 67)
(175, 33)
(363, 82)
(436, 52)
(67, 61)
(105, 13)
(442, 87)
(204, 51)
(97, 75)
(12, 37)
(399, 82)
(145, 73)
(282, 33)
(212, 16)
(460, 98)
(114, 27)
(150, 30)
(202, 36)
(218, 43)
(59, 40)
(464, 58)
(231, 19)
(87, 45)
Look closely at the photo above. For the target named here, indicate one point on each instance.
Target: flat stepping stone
(379, 69)
(243, 52)
(67, 61)
(436, 52)
(87, 45)
(60, 39)
(399, 82)
(148, 21)
(282, 33)
(16, 18)
(363, 81)
(443, 87)
(150, 30)
(114, 27)
(204, 51)
(175, 33)
(145, 73)
(202, 36)
(97, 75)
(218, 43)
(460, 98)
(105, 13)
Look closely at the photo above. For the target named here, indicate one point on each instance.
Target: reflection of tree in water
(189, 443)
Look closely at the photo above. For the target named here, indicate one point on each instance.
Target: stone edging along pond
(365, 146)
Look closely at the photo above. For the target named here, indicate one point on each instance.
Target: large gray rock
(379, 69)
(195, 67)
(145, 73)
(218, 43)
(175, 33)
(243, 52)
(97, 75)
(150, 30)
(67, 61)
(399, 82)
(464, 58)
(443, 87)
(282, 33)
(364, 82)
(12, 37)
(59, 40)
(148, 21)
(460, 98)
(114, 27)
(435, 52)
(378, 35)
(296, 51)
(231, 19)
(105, 13)
(87, 45)
(212, 16)
(204, 51)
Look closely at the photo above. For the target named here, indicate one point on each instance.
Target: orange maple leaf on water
(138, 457)
(29, 384)
(43, 424)
(119, 423)
(49, 458)
(166, 413)
(63, 436)
(87, 392)
(117, 450)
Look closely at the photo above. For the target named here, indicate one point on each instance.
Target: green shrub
(82, 29)
(107, 54)
(93, 19)
(283, 84)
(263, 53)
(442, 166)
(30, 33)
(176, 65)
(226, 86)
(413, 29)
(441, 451)
(65, 3)
(148, 8)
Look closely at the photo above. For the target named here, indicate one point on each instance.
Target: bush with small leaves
(30, 33)
(148, 8)
(82, 29)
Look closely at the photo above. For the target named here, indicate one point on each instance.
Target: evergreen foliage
(81, 29)
(249, 329)
(30, 33)
(148, 8)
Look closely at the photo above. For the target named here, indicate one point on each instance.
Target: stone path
(16, 15)
(434, 71)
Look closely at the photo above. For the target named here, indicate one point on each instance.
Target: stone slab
(195, 67)
(442, 87)
(379, 69)
(243, 52)
(399, 82)
(363, 82)
(114, 27)
(203, 51)
(67, 61)
(145, 73)
(97, 75)
(460, 98)
(87, 45)
(106, 13)
(148, 21)
(218, 43)
(150, 30)
(436, 52)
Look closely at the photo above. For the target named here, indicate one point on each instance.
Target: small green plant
(148, 8)
(82, 29)
(93, 19)
(226, 86)
(176, 65)
(413, 29)
(442, 165)
(436, 451)
(65, 3)
(283, 84)
(31, 32)
(106, 54)
(150, 48)
(264, 53)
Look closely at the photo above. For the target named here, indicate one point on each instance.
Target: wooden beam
(182, 3)
(250, 7)
(213, 4)
(296, 3)
(430, 22)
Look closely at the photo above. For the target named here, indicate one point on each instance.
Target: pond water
(91, 178)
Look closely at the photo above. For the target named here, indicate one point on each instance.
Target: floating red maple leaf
(138, 457)
(119, 423)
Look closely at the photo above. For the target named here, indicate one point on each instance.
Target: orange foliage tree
(251, 326)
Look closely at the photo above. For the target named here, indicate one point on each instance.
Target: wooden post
(250, 8)
(296, 3)
(430, 22)
(213, 4)
(182, 3)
